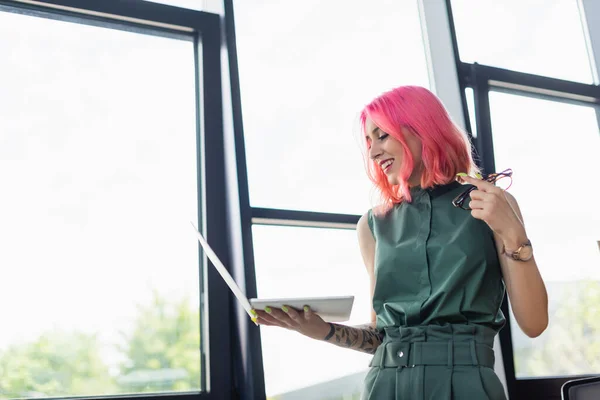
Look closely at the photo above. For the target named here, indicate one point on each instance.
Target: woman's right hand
(305, 322)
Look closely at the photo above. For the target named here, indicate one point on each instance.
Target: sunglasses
(502, 179)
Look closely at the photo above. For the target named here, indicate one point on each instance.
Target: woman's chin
(393, 180)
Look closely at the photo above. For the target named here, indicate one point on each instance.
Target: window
(191, 4)
(471, 108)
(100, 272)
(537, 36)
(555, 163)
(299, 262)
(306, 70)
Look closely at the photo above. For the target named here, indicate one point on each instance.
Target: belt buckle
(401, 352)
(409, 348)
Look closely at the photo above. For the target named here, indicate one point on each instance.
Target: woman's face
(388, 152)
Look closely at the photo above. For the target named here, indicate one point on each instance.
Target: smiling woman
(390, 154)
(437, 271)
(428, 148)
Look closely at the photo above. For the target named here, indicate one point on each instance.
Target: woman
(437, 271)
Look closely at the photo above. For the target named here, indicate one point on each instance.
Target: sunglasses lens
(464, 202)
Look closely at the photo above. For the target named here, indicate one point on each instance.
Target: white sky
(98, 170)
(544, 37)
(300, 101)
(97, 159)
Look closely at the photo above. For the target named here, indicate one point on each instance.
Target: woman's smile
(386, 165)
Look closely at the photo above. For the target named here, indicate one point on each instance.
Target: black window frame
(483, 79)
(252, 373)
(204, 30)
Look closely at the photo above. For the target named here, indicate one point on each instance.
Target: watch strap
(516, 255)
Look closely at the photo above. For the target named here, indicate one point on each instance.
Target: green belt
(404, 354)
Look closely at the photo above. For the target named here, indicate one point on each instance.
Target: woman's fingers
(285, 316)
(270, 319)
(293, 314)
(303, 321)
(264, 321)
(308, 313)
(486, 200)
(482, 185)
(480, 195)
(476, 204)
(281, 314)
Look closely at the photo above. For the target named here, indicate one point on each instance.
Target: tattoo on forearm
(363, 338)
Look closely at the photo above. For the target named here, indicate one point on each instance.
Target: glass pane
(543, 37)
(306, 70)
(471, 109)
(191, 4)
(295, 364)
(99, 277)
(556, 167)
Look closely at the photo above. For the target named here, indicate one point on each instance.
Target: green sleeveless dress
(438, 291)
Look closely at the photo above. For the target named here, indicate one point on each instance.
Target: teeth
(386, 164)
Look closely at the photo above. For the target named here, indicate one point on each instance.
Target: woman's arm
(365, 338)
(524, 284)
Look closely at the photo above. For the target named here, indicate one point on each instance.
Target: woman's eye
(384, 136)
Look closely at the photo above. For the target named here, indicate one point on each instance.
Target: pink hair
(446, 149)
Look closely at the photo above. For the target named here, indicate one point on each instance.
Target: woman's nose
(374, 152)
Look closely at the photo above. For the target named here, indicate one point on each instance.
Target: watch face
(526, 253)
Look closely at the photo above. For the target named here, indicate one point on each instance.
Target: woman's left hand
(491, 204)
(303, 321)
(525, 286)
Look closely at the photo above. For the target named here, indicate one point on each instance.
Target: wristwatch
(523, 253)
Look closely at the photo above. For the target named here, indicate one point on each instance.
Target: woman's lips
(387, 164)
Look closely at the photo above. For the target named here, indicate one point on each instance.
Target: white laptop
(331, 309)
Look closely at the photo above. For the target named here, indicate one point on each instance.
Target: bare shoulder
(363, 229)
(513, 203)
(363, 222)
(511, 199)
(366, 241)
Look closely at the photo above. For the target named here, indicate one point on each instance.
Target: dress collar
(435, 191)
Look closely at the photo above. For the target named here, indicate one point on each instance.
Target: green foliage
(570, 344)
(56, 364)
(162, 353)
